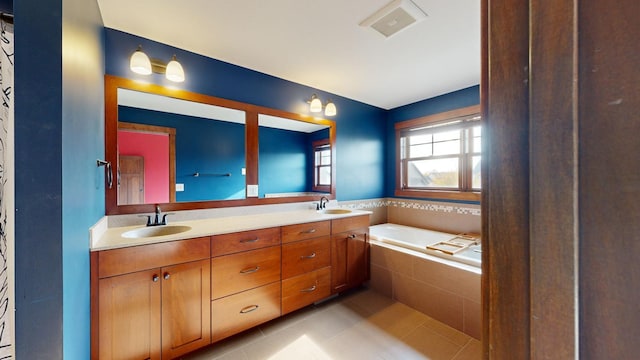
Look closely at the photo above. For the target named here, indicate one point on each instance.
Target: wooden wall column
(561, 178)
(505, 179)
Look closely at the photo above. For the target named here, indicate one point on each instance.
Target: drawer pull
(308, 256)
(249, 309)
(249, 241)
(310, 231)
(250, 270)
(311, 289)
(352, 236)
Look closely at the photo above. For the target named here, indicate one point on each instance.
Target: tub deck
(419, 239)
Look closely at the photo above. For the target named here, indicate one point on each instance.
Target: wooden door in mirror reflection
(131, 180)
(146, 164)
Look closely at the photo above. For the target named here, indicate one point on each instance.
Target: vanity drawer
(243, 241)
(298, 232)
(242, 311)
(238, 272)
(350, 223)
(144, 257)
(304, 256)
(305, 289)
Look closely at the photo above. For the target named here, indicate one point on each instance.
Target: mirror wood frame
(113, 83)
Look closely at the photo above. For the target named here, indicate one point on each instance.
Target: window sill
(440, 194)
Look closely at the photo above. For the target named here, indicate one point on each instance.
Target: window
(439, 156)
(322, 166)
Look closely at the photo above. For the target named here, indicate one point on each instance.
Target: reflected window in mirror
(322, 165)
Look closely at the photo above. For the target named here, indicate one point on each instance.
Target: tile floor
(359, 325)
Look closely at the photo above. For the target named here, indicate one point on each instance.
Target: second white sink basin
(334, 211)
(152, 231)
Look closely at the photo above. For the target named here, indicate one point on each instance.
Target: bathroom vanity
(160, 297)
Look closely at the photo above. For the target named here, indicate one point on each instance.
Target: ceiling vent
(394, 17)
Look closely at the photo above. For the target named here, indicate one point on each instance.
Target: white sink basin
(152, 231)
(334, 211)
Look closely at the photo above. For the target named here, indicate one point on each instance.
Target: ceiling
(320, 43)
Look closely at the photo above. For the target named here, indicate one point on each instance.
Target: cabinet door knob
(155, 278)
(166, 276)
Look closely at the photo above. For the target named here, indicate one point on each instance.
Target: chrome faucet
(321, 205)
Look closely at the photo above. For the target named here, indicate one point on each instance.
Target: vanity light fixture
(316, 106)
(174, 71)
(330, 109)
(141, 64)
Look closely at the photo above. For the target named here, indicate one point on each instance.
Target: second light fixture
(141, 64)
(316, 106)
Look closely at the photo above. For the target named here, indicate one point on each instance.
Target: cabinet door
(358, 257)
(349, 259)
(339, 246)
(129, 316)
(186, 317)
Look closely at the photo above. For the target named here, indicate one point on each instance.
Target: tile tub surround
(446, 291)
(435, 215)
(447, 217)
(360, 324)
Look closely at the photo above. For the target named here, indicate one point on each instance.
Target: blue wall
(454, 100)
(360, 127)
(83, 182)
(284, 161)
(59, 192)
(38, 156)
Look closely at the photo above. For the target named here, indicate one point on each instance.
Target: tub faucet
(322, 204)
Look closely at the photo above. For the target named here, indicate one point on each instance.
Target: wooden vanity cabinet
(349, 252)
(151, 301)
(163, 300)
(306, 261)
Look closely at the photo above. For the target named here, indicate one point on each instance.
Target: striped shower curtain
(7, 193)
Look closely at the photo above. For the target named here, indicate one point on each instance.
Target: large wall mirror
(183, 150)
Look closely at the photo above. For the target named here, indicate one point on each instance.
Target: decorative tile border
(459, 209)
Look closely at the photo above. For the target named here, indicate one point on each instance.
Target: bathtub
(419, 239)
(444, 287)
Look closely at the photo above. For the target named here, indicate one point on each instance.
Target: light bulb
(140, 63)
(316, 105)
(330, 110)
(174, 70)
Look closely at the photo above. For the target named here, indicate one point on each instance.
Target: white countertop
(112, 238)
